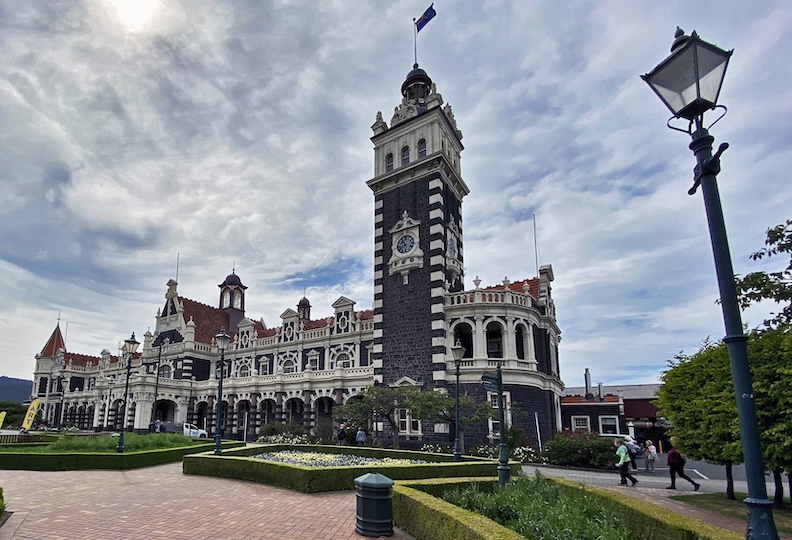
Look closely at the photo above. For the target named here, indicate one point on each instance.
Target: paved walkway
(158, 503)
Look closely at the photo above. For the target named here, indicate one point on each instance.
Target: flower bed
(239, 464)
(321, 459)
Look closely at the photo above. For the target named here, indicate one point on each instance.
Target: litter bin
(374, 517)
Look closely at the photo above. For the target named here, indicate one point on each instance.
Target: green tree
(697, 397)
(377, 401)
(775, 286)
(15, 414)
(441, 407)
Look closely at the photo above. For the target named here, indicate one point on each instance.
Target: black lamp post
(222, 339)
(130, 346)
(61, 380)
(156, 390)
(458, 351)
(688, 82)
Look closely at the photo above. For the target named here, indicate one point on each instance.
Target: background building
(299, 370)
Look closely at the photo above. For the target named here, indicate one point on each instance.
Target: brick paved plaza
(162, 503)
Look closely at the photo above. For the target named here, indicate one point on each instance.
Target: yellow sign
(30, 415)
(2, 418)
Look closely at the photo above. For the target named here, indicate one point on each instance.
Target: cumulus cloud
(237, 135)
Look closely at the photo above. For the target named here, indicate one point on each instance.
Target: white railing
(489, 297)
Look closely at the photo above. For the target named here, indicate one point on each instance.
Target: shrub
(522, 506)
(580, 449)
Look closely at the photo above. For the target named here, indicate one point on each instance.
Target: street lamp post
(130, 346)
(156, 390)
(222, 339)
(458, 351)
(61, 380)
(688, 82)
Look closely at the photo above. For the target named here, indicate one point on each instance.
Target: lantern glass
(689, 81)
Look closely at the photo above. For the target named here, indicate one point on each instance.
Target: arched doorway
(244, 424)
(293, 411)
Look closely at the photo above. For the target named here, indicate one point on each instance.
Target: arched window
(519, 338)
(422, 148)
(405, 156)
(238, 300)
(165, 372)
(343, 361)
(289, 366)
(494, 340)
(464, 335)
(226, 299)
(389, 163)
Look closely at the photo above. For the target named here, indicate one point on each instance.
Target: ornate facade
(299, 370)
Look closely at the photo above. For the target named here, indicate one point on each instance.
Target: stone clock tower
(418, 249)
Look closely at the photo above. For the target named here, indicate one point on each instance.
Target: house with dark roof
(614, 409)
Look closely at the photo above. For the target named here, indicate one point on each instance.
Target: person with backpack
(342, 435)
(623, 462)
(632, 449)
(676, 466)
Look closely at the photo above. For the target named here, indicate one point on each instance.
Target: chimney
(588, 395)
(599, 386)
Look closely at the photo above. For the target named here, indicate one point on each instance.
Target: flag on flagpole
(425, 18)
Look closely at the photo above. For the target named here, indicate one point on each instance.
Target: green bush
(73, 461)
(2, 504)
(522, 505)
(580, 449)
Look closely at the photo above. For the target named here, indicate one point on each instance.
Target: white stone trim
(437, 213)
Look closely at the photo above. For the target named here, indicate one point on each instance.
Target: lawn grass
(718, 503)
(98, 445)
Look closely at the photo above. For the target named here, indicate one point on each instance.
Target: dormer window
(405, 156)
(389, 163)
(422, 148)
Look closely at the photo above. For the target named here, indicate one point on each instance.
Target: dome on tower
(232, 279)
(417, 84)
(416, 76)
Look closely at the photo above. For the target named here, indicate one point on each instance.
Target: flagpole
(415, 42)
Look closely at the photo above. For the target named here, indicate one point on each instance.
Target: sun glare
(135, 14)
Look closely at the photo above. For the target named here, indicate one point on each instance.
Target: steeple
(54, 343)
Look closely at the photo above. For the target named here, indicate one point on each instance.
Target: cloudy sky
(237, 133)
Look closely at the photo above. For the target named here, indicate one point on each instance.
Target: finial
(415, 65)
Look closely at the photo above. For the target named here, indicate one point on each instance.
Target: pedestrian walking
(650, 456)
(360, 437)
(676, 466)
(623, 456)
(342, 435)
(632, 449)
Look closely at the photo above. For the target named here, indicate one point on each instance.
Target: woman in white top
(650, 456)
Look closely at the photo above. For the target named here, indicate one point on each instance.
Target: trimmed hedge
(85, 461)
(652, 522)
(418, 510)
(425, 516)
(238, 465)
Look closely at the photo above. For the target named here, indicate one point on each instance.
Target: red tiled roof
(54, 343)
(366, 314)
(311, 325)
(208, 320)
(77, 359)
(518, 287)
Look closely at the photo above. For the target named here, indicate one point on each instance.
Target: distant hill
(16, 390)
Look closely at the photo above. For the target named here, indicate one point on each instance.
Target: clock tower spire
(418, 191)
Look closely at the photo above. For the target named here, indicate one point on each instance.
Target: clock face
(405, 243)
